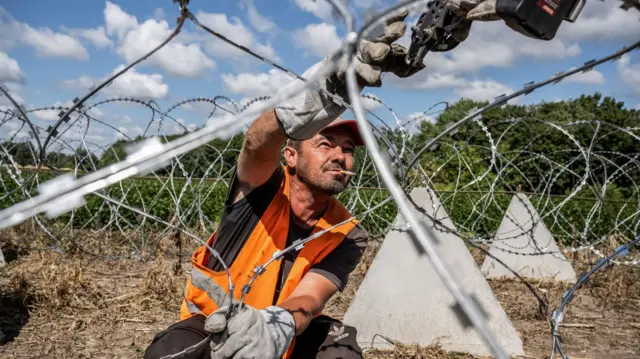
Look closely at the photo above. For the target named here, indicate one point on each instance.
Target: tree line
(520, 133)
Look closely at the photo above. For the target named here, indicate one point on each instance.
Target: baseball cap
(351, 125)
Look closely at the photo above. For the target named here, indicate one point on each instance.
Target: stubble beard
(316, 182)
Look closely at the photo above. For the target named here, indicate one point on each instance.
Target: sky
(51, 53)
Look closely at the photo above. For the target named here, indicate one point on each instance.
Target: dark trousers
(324, 338)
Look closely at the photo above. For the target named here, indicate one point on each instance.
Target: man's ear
(290, 156)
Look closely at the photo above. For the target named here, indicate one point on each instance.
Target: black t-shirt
(239, 219)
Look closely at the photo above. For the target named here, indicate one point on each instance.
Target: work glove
(250, 333)
(309, 111)
(479, 10)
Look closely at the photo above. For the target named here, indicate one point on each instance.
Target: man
(268, 207)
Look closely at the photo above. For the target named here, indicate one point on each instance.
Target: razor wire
(567, 297)
(449, 149)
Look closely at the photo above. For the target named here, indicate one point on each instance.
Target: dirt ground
(79, 306)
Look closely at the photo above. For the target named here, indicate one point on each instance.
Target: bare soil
(80, 306)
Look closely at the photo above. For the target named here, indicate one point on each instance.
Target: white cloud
(130, 84)
(199, 108)
(368, 4)
(82, 82)
(256, 84)
(46, 42)
(602, 21)
(190, 127)
(420, 116)
(52, 114)
(175, 58)
(233, 29)
(136, 130)
(554, 49)
(412, 122)
(477, 90)
(96, 112)
(93, 139)
(217, 117)
(13, 124)
(47, 115)
(14, 91)
(9, 69)
(9, 30)
(122, 131)
(52, 44)
(432, 82)
(482, 90)
(134, 84)
(75, 134)
(267, 51)
(17, 135)
(320, 8)
(96, 36)
(13, 86)
(481, 50)
(118, 22)
(593, 77)
(320, 38)
(257, 20)
(135, 40)
(629, 73)
(132, 132)
(369, 103)
(125, 119)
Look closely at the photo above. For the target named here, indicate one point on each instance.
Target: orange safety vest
(270, 235)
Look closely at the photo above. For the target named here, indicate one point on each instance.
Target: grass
(78, 305)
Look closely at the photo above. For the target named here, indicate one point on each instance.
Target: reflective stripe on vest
(270, 234)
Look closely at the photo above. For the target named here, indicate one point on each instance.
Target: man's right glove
(250, 333)
(307, 113)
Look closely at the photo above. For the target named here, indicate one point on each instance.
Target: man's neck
(306, 205)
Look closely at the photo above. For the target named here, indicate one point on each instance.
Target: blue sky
(52, 52)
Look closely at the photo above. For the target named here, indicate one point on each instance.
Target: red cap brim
(352, 125)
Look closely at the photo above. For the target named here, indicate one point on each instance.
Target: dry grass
(403, 351)
(56, 281)
(79, 306)
(24, 239)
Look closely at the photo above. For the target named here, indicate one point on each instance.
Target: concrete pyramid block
(524, 243)
(402, 298)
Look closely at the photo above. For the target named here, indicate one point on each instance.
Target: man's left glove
(309, 111)
(480, 10)
(250, 333)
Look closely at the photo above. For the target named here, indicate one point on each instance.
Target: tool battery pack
(539, 18)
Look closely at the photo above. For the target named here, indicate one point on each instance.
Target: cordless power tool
(539, 19)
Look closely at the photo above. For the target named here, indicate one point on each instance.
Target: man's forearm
(260, 154)
(303, 309)
(265, 136)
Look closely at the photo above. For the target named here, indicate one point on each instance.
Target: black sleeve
(338, 264)
(238, 220)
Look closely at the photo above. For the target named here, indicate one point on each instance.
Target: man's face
(321, 157)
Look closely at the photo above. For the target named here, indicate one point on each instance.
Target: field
(80, 306)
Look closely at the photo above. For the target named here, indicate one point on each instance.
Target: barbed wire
(64, 198)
